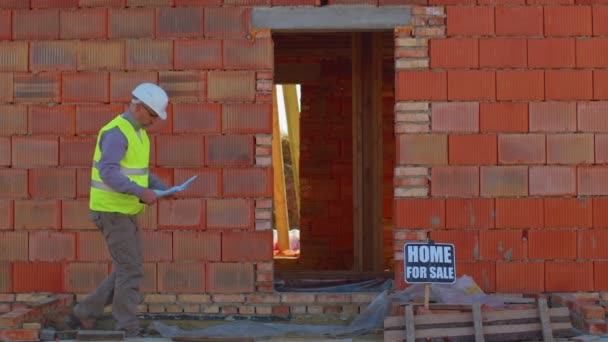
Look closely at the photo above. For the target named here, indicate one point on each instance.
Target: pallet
(481, 326)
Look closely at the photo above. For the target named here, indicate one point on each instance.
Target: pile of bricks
(23, 323)
(587, 310)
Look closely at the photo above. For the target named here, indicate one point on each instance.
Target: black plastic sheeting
(333, 285)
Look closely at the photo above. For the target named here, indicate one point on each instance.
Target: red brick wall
(514, 140)
(66, 68)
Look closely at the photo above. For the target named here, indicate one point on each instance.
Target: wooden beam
(280, 198)
(292, 110)
(367, 150)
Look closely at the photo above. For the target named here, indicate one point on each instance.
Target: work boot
(76, 320)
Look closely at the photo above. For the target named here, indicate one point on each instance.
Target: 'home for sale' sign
(429, 263)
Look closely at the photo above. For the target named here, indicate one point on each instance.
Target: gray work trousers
(121, 288)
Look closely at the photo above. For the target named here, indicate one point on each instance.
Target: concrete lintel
(331, 18)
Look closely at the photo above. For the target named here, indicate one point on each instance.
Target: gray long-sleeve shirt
(113, 145)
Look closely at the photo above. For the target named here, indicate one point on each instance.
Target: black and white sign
(429, 263)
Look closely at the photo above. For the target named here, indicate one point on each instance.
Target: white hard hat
(154, 97)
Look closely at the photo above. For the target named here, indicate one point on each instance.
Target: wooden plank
(545, 322)
(477, 323)
(280, 197)
(357, 114)
(489, 330)
(410, 329)
(292, 111)
(100, 335)
(213, 339)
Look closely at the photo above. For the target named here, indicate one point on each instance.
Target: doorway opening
(346, 147)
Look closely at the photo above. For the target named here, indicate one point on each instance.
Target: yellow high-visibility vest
(134, 165)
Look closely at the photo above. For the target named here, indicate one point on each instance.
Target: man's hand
(148, 196)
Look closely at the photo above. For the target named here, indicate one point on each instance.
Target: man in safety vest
(121, 186)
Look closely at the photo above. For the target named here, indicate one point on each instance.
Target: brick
(592, 180)
(503, 117)
(37, 214)
(227, 22)
(455, 181)
(569, 84)
(471, 85)
(6, 87)
(503, 181)
(206, 185)
(246, 118)
(521, 148)
(157, 246)
(229, 150)
(246, 246)
(469, 213)
(551, 53)
(600, 22)
(53, 55)
(520, 276)
(505, 245)
(13, 183)
(568, 276)
(503, 53)
(84, 277)
(568, 21)
(39, 87)
(6, 280)
(601, 149)
(552, 116)
(5, 151)
(230, 277)
(83, 182)
(466, 242)
(248, 54)
(552, 244)
(196, 118)
(420, 213)
(35, 151)
(149, 3)
(52, 246)
(568, 213)
(197, 246)
(19, 334)
(587, 55)
(182, 278)
(91, 118)
(455, 117)
(230, 213)
(123, 83)
(472, 149)
(454, 53)
(591, 116)
(101, 55)
(14, 246)
(600, 214)
(180, 151)
(5, 25)
(422, 149)
(86, 87)
(179, 22)
(52, 183)
(54, 3)
(198, 54)
(149, 218)
(231, 86)
(58, 120)
(83, 23)
(13, 120)
(421, 85)
(552, 181)
(520, 85)
(183, 86)
(75, 214)
(247, 182)
(600, 84)
(37, 277)
(13, 56)
(519, 20)
(484, 273)
(91, 246)
(570, 149)
(35, 25)
(131, 23)
(6, 214)
(183, 214)
(149, 54)
(600, 275)
(470, 21)
(102, 3)
(76, 151)
(590, 242)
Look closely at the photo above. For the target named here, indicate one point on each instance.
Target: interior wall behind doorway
(326, 169)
